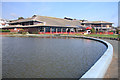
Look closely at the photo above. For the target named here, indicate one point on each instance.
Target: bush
(34, 32)
(13, 33)
(1, 30)
(100, 31)
(92, 30)
(117, 31)
(25, 33)
(111, 31)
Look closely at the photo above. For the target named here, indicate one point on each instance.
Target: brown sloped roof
(51, 21)
(58, 21)
(21, 20)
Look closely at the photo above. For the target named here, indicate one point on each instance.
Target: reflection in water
(48, 57)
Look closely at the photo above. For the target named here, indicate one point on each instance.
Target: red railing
(60, 33)
(103, 33)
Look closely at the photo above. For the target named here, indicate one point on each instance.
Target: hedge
(1, 30)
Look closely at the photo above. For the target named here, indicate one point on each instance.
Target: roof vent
(34, 16)
(68, 18)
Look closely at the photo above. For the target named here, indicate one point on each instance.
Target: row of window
(47, 29)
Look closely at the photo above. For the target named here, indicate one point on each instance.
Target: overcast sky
(92, 11)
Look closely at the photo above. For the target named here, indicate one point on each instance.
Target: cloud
(14, 15)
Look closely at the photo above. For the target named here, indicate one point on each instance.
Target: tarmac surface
(112, 71)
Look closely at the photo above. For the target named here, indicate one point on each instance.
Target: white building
(3, 23)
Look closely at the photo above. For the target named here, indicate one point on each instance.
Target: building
(44, 24)
(98, 25)
(3, 23)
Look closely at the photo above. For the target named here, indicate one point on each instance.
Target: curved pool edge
(99, 69)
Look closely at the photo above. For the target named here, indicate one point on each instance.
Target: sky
(91, 11)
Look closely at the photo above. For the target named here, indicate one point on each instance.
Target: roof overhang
(96, 23)
(23, 21)
(31, 26)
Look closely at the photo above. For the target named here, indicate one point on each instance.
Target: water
(48, 57)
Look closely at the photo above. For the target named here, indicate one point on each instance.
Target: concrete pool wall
(99, 69)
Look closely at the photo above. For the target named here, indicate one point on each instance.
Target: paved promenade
(112, 71)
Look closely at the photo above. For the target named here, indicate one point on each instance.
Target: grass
(103, 35)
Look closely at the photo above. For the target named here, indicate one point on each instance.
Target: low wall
(99, 69)
(4, 33)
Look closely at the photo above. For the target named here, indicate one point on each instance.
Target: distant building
(98, 25)
(3, 23)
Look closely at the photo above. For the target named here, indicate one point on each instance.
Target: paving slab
(112, 71)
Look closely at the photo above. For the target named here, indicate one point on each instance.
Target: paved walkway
(112, 71)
